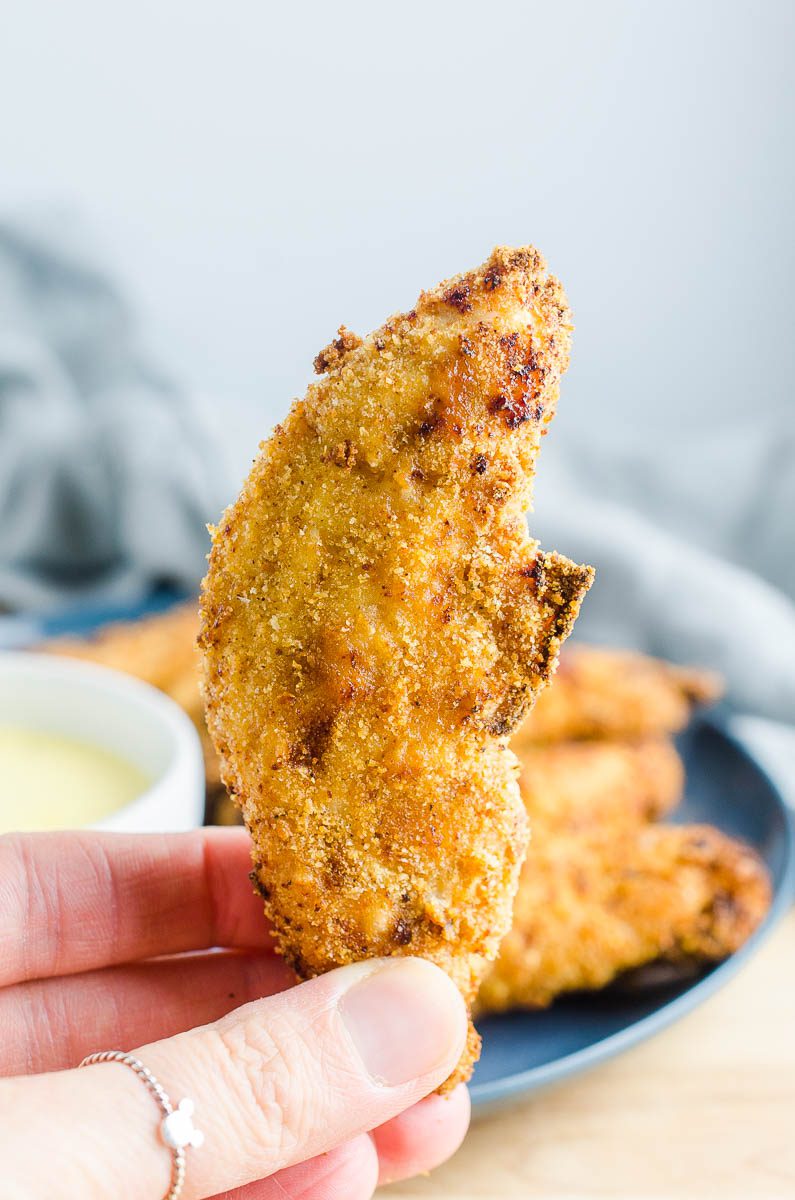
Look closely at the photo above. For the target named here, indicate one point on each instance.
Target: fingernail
(406, 1019)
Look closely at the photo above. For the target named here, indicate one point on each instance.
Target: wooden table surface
(705, 1109)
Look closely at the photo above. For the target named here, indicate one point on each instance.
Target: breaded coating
(160, 650)
(606, 693)
(589, 909)
(376, 620)
(579, 787)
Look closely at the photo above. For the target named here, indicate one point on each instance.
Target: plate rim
(497, 1092)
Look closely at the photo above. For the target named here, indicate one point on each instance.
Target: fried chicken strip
(579, 787)
(605, 693)
(589, 909)
(376, 620)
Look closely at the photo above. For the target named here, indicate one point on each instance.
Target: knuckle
(266, 1068)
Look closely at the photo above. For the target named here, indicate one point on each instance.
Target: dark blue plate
(523, 1051)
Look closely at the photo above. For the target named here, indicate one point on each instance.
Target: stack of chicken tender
(607, 888)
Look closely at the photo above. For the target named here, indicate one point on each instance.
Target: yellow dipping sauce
(49, 781)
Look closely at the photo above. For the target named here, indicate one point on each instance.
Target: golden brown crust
(606, 693)
(376, 619)
(590, 908)
(333, 354)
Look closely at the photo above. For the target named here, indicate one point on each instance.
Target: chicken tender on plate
(605, 693)
(376, 620)
(589, 909)
(577, 787)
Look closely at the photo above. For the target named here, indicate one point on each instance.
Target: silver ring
(176, 1127)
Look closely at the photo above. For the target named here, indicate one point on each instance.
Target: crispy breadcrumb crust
(590, 908)
(376, 620)
(606, 693)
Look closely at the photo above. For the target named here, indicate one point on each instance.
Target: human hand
(315, 1092)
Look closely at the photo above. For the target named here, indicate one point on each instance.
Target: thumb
(275, 1082)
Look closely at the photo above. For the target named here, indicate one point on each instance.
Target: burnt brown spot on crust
(517, 409)
(258, 885)
(403, 933)
(337, 871)
(333, 354)
(560, 584)
(492, 278)
(458, 297)
(533, 570)
(429, 425)
(479, 464)
(509, 713)
(308, 751)
(533, 363)
(295, 961)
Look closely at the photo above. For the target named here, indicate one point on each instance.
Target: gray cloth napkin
(106, 475)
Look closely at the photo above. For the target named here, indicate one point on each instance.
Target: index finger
(78, 901)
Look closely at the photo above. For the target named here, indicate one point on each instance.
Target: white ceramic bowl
(112, 710)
